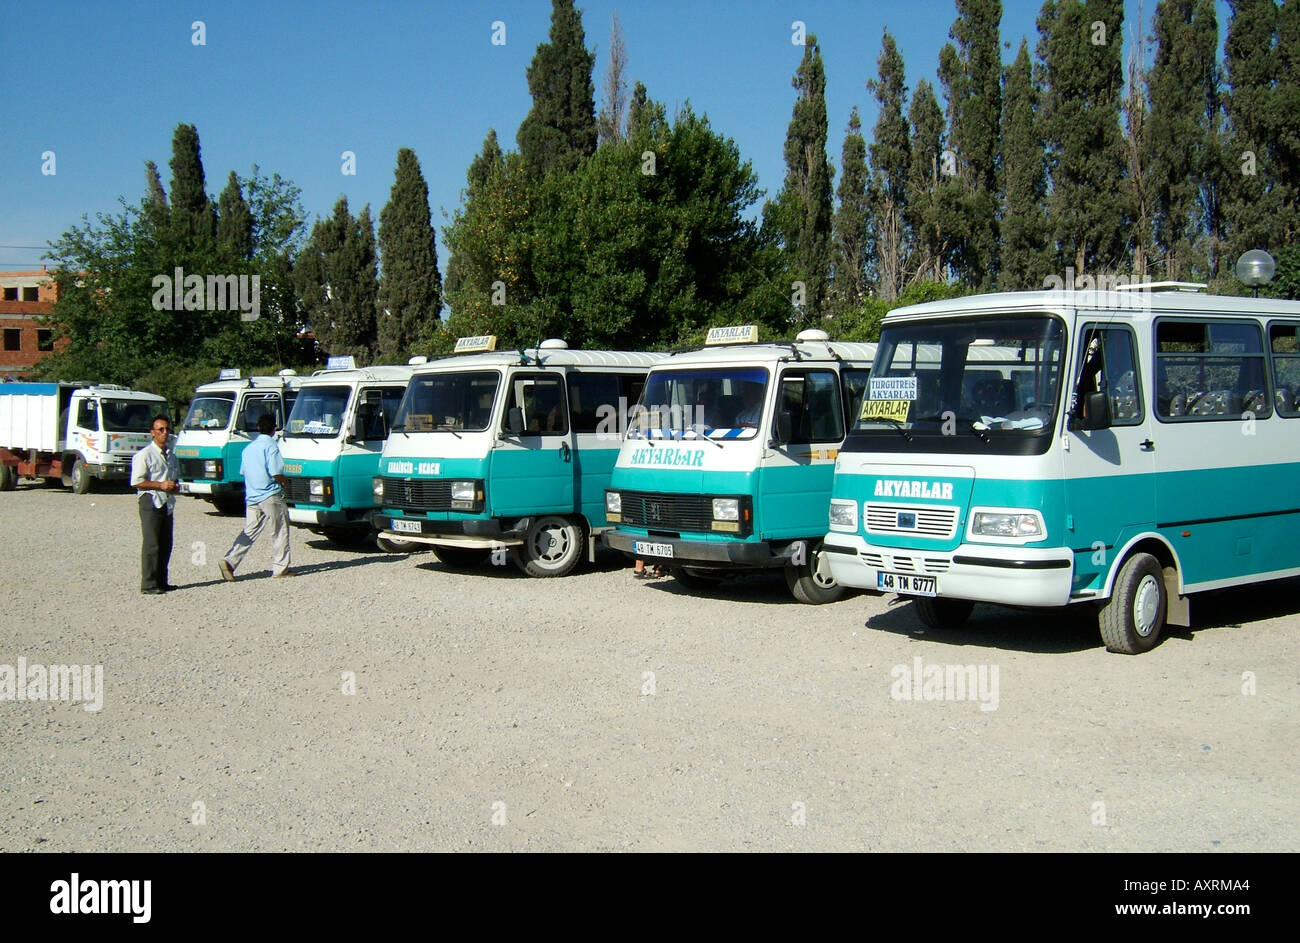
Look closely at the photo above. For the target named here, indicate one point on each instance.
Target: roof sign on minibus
(341, 362)
(477, 344)
(228, 373)
(738, 334)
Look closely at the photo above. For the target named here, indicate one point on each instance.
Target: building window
(11, 294)
(13, 338)
(44, 339)
(30, 293)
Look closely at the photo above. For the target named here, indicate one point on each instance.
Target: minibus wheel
(552, 547)
(940, 613)
(461, 558)
(807, 587)
(1131, 620)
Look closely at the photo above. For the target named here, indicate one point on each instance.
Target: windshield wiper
(898, 426)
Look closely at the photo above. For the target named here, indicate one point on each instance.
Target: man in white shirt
(154, 474)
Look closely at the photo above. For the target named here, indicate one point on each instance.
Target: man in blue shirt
(263, 471)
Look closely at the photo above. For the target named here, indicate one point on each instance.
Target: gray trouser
(276, 511)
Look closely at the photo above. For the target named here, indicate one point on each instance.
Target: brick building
(25, 298)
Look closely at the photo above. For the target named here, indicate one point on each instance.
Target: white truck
(72, 433)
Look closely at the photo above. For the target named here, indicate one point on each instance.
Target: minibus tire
(695, 579)
(942, 613)
(81, 480)
(537, 560)
(348, 536)
(8, 478)
(1140, 583)
(390, 544)
(461, 558)
(805, 587)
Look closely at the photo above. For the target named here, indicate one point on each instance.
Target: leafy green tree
(560, 128)
(890, 160)
(1088, 204)
(1286, 137)
(410, 289)
(971, 73)
(852, 219)
(800, 216)
(338, 285)
(932, 209)
(1025, 254)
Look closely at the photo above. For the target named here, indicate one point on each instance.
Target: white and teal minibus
(332, 445)
(508, 451)
(727, 464)
(221, 421)
(1115, 449)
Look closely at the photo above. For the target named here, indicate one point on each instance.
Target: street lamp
(1255, 268)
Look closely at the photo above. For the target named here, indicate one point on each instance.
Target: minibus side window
(593, 398)
(812, 400)
(255, 407)
(855, 387)
(1284, 344)
(541, 397)
(1115, 368)
(1210, 370)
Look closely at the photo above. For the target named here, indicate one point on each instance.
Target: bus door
(533, 467)
(1110, 487)
(795, 481)
(598, 407)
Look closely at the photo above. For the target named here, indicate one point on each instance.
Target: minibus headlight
(316, 487)
(726, 509)
(377, 486)
(462, 491)
(466, 495)
(613, 502)
(1006, 524)
(844, 514)
(212, 467)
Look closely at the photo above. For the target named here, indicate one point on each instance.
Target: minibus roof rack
(1163, 286)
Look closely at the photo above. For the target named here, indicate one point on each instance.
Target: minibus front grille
(298, 491)
(913, 520)
(674, 512)
(417, 494)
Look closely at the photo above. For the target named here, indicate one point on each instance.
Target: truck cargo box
(29, 415)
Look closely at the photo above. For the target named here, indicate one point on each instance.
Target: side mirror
(1096, 412)
(515, 420)
(782, 433)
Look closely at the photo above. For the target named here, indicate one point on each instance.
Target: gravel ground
(496, 712)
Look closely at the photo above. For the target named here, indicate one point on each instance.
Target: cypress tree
(336, 282)
(932, 199)
(1286, 152)
(800, 217)
(1177, 144)
(234, 223)
(156, 213)
(610, 120)
(890, 159)
(410, 291)
(560, 128)
(972, 75)
(851, 219)
(1251, 203)
(192, 214)
(1025, 254)
(1088, 206)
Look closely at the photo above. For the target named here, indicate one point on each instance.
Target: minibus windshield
(210, 412)
(965, 381)
(718, 402)
(318, 412)
(448, 402)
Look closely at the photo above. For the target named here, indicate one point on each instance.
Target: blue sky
(291, 86)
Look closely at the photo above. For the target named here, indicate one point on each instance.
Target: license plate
(906, 583)
(182, 487)
(405, 527)
(644, 549)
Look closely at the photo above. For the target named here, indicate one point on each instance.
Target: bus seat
(1283, 398)
(1178, 405)
(1255, 401)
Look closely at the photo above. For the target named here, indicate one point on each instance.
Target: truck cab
(728, 462)
(221, 422)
